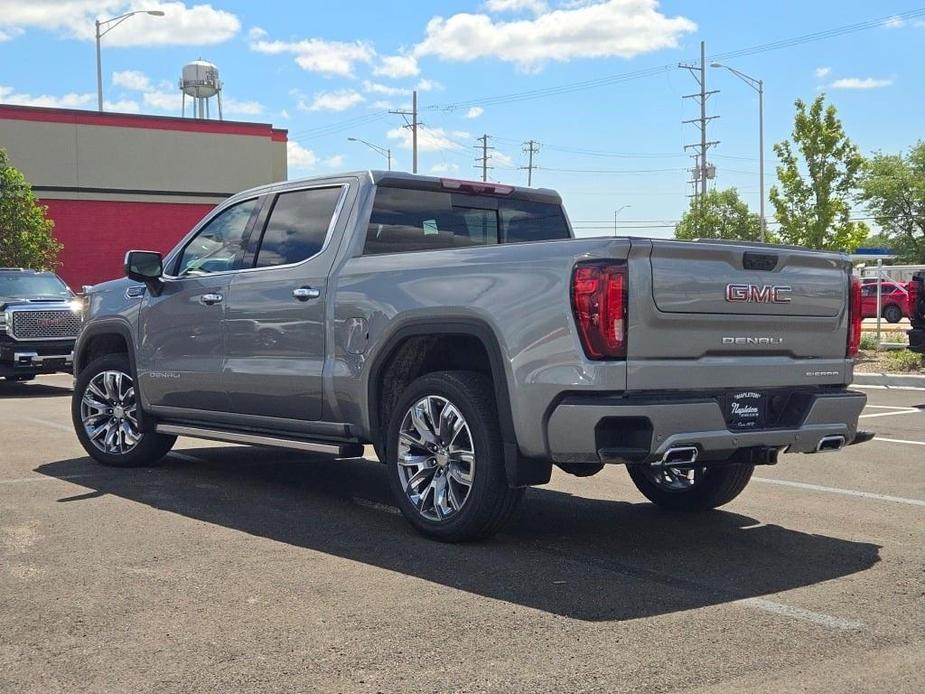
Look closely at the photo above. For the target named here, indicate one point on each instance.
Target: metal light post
(615, 213)
(758, 86)
(384, 151)
(100, 33)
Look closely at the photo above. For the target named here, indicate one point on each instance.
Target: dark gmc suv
(39, 321)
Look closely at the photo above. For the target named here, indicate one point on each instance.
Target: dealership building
(114, 182)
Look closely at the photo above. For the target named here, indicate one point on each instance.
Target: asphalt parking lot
(230, 568)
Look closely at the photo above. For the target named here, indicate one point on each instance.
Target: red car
(894, 300)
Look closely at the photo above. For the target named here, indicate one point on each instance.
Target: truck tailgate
(723, 315)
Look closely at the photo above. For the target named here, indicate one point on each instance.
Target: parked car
(894, 300)
(463, 331)
(39, 321)
(917, 313)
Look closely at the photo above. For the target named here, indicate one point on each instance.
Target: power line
(606, 80)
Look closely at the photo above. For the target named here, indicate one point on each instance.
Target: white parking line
(914, 443)
(819, 618)
(909, 410)
(22, 480)
(846, 492)
(888, 407)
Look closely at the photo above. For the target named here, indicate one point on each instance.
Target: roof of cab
(401, 179)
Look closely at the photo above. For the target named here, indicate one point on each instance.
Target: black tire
(892, 313)
(716, 486)
(150, 446)
(490, 502)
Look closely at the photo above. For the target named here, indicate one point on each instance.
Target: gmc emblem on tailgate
(755, 294)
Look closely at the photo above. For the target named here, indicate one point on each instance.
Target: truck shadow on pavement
(581, 558)
(10, 390)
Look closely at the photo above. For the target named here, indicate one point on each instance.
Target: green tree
(26, 238)
(814, 210)
(720, 214)
(893, 187)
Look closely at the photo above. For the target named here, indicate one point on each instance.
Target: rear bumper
(621, 429)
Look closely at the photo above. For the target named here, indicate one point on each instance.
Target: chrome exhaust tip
(679, 455)
(829, 444)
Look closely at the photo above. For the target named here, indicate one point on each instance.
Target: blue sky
(328, 71)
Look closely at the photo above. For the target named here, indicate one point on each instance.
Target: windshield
(25, 286)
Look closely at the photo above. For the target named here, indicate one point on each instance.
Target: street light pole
(100, 33)
(615, 213)
(384, 151)
(758, 86)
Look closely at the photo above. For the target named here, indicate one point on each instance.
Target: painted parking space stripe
(909, 410)
(913, 443)
(65, 478)
(845, 492)
(819, 618)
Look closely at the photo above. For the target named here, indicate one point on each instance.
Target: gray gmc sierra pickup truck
(463, 331)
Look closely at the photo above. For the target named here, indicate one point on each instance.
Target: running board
(341, 450)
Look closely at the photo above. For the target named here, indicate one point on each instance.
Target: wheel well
(422, 354)
(99, 346)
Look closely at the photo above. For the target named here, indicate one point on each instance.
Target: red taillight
(599, 300)
(854, 316)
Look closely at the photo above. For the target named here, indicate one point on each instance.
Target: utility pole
(531, 147)
(703, 169)
(485, 155)
(414, 125)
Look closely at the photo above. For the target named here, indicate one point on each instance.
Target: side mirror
(144, 266)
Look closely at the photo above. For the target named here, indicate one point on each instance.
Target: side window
(218, 244)
(298, 226)
(869, 290)
(524, 220)
(406, 220)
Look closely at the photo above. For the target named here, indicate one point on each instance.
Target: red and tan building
(113, 182)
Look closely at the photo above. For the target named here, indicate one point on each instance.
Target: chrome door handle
(211, 299)
(306, 293)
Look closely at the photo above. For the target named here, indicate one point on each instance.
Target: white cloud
(396, 66)
(134, 80)
(376, 88)
(122, 106)
(429, 139)
(284, 114)
(612, 28)
(243, 108)
(894, 23)
(823, 72)
(474, 112)
(425, 85)
(171, 102)
(334, 161)
(300, 158)
(9, 33)
(329, 58)
(8, 95)
(501, 158)
(339, 100)
(535, 6)
(181, 24)
(860, 83)
(444, 167)
(382, 105)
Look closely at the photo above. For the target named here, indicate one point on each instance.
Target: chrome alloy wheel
(109, 412)
(674, 479)
(436, 457)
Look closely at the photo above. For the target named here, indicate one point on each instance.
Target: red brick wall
(97, 233)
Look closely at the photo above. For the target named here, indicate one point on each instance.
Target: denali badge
(754, 294)
(753, 340)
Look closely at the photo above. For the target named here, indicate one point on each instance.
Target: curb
(889, 380)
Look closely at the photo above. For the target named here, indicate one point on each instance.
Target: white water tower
(200, 82)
